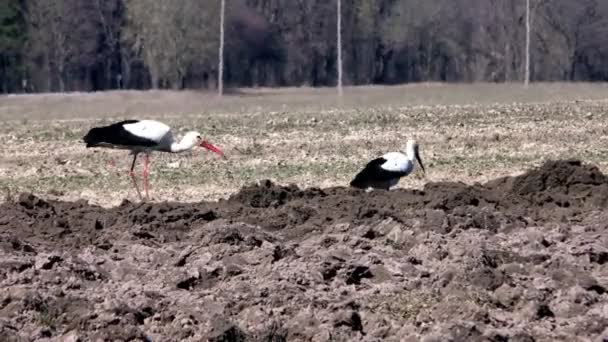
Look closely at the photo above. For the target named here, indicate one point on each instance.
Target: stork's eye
(198, 137)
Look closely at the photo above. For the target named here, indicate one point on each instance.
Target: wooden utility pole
(339, 43)
(220, 62)
(527, 70)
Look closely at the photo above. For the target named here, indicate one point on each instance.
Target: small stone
(71, 336)
(396, 235)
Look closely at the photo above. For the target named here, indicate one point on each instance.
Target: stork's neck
(181, 146)
(411, 152)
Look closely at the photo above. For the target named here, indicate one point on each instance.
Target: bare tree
(339, 45)
(220, 67)
(50, 36)
(172, 36)
(12, 37)
(93, 45)
(110, 26)
(571, 29)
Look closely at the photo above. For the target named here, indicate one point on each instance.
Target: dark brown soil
(516, 259)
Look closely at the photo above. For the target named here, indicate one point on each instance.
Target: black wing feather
(115, 134)
(373, 174)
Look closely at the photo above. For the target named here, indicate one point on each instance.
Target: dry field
(467, 132)
(494, 243)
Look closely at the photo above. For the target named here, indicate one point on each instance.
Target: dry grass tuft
(467, 133)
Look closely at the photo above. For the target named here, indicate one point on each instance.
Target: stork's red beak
(211, 148)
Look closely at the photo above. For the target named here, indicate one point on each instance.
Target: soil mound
(551, 192)
(556, 175)
(451, 262)
(555, 181)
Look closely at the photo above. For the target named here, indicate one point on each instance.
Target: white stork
(385, 172)
(143, 136)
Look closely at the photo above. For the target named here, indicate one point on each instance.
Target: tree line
(75, 45)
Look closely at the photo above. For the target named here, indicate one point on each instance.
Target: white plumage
(385, 172)
(149, 129)
(397, 162)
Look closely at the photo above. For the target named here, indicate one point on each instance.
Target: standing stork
(143, 136)
(385, 172)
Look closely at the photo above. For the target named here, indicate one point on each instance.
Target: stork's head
(413, 152)
(193, 139)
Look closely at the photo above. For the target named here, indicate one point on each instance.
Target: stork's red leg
(112, 166)
(133, 177)
(146, 161)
